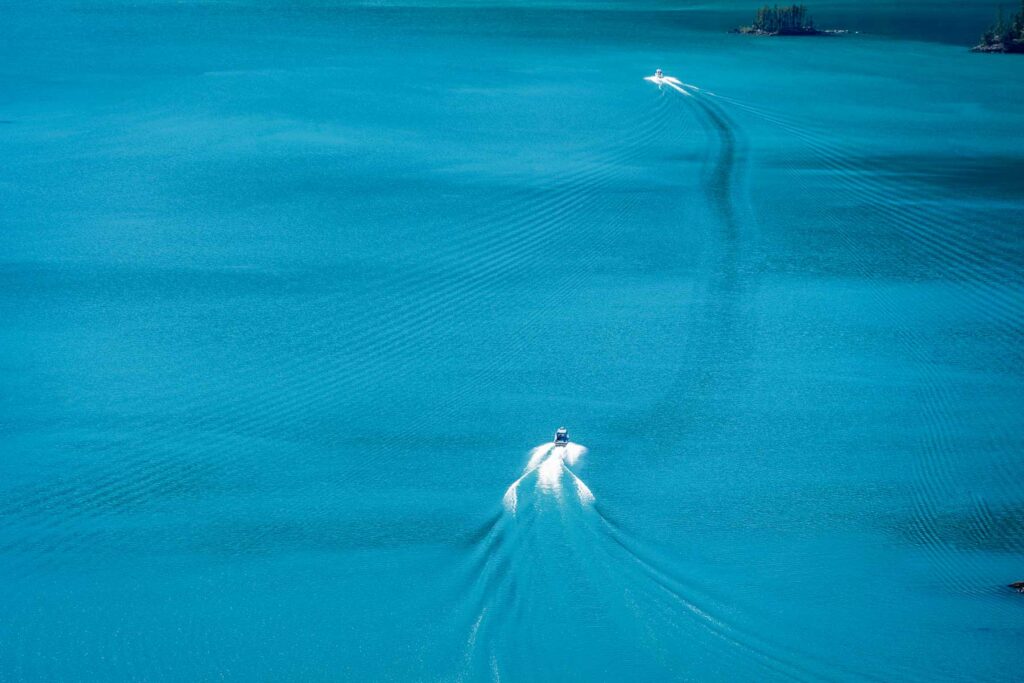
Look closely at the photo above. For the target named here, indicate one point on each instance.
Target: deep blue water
(289, 295)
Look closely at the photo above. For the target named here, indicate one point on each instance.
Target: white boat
(561, 437)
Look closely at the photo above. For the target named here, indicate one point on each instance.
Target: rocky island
(1004, 36)
(782, 21)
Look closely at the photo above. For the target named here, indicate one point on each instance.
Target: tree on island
(782, 21)
(1004, 36)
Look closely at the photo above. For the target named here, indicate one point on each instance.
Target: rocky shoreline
(1015, 47)
(1006, 35)
(753, 31)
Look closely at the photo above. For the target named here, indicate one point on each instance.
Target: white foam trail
(511, 498)
(679, 88)
(495, 672)
(537, 454)
(573, 452)
(471, 646)
(551, 472)
(674, 83)
(582, 490)
(549, 461)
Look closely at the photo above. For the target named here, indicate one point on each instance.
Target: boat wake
(553, 559)
(946, 519)
(672, 82)
(547, 464)
(554, 562)
(981, 283)
(722, 177)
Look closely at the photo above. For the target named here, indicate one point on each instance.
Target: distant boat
(561, 437)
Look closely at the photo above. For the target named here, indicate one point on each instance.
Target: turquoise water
(290, 295)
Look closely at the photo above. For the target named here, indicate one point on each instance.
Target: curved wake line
(584, 492)
(721, 186)
(792, 663)
(722, 176)
(984, 276)
(721, 180)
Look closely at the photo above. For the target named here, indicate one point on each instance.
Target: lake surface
(289, 296)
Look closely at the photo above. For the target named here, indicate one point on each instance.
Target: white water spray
(582, 490)
(549, 461)
(672, 82)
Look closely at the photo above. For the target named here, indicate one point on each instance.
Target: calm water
(289, 295)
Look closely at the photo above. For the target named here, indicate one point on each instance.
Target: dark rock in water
(1018, 586)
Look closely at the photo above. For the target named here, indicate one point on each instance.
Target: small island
(1004, 36)
(782, 21)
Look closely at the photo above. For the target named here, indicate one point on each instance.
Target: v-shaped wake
(547, 466)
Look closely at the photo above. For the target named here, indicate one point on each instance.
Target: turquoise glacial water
(290, 293)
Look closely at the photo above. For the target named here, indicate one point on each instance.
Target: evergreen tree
(1007, 34)
(783, 20)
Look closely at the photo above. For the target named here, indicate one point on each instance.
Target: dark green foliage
(1005, 35)
(783, 21)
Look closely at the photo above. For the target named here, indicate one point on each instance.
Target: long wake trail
(989, 282)
(552, 534)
